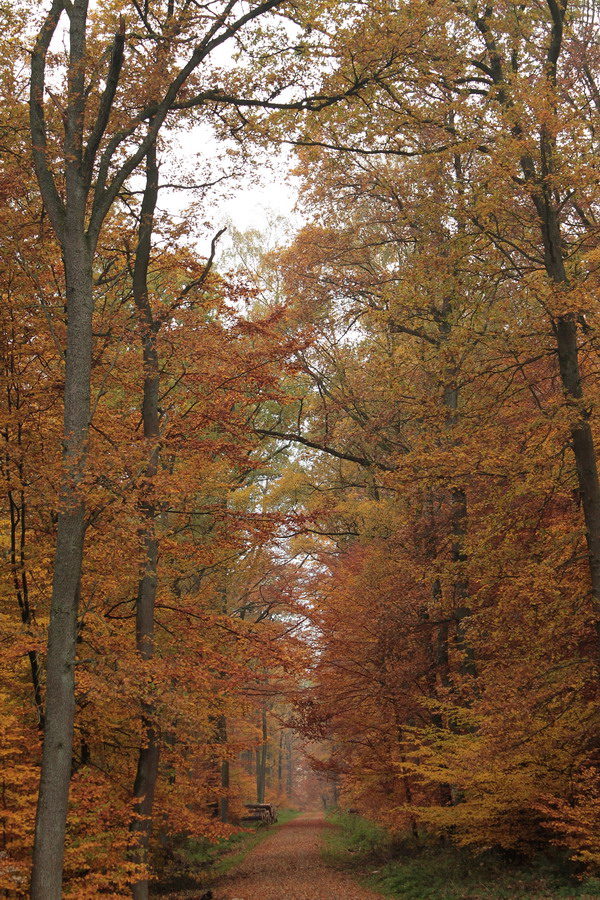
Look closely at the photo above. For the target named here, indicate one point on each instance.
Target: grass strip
(202, 862)
(399, 868)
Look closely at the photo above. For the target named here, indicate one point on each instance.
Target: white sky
(253, 199)
(248, 202)
(252, 207)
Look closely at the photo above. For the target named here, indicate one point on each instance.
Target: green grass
(200, 862)
(399, 869)
(229, 853)
(286, 815)
(200, 853)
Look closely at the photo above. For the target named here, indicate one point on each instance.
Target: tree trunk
(584, 451)
(539, 179)
(18, 533)
(335, 790)
(290, 774)
(224, 771)
(261, 761)
(225, 783)
(149, 754)
(143, 792)
(280, 764)
(48, 851)
(565, 331)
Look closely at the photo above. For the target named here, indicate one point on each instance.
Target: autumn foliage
(349, 485)
(452, 274)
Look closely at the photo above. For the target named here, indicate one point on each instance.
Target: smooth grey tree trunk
(149, 753)
(582, 439)
(290, 766)
(280, 763)
(53, 794)
(261, 761)
(68, 220)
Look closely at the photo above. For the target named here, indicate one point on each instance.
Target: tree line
(352, 487)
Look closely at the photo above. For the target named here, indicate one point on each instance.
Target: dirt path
(288, 866)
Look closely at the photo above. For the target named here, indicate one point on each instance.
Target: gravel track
(288, 866)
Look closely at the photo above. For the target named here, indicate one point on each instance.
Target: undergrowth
(200, 862)
(403, 869)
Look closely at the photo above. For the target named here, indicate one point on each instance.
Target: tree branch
(106, 193)
(106, 102)
(395, 328)
(37, 119)
(314, 445)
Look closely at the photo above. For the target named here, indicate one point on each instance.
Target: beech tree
(109, 119)
(433, 208)
(372, 495)
(522, 177)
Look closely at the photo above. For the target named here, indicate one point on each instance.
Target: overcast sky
(250, 200)
(247, 202)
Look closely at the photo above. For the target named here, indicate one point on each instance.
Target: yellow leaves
(575, 820)
(289, 490)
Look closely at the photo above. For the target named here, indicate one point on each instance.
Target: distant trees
(448, 269)
(95, 116)
(359, 474)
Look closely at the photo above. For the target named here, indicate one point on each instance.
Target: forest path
(288, 866)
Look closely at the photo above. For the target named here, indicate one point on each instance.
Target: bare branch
(350, 457)
(50, 195)
(108, 95)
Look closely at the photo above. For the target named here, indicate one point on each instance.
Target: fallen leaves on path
(288, 866)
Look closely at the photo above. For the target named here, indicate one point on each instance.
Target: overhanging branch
(323, 448)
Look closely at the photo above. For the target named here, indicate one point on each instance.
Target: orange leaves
(454, 680)
(425, 569)
(98, 837)
(19, 760)
(574, 820)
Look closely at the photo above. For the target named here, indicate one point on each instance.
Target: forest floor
(400, 868)
(288, 865)
(309, 858)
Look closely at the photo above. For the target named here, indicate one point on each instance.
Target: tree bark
(68, 220)
(261, 761)
(290, 769)
(225, 784)
(280, 764)
(149, 753)
(582, 440)
(18, 537)
(224, 770)
(48, 853)
(567, 348)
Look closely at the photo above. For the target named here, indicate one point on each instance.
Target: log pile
(261, 813)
